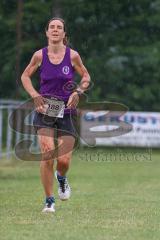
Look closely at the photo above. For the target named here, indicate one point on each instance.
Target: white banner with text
(104, 128)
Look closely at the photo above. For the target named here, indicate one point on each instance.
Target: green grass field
(112, 198)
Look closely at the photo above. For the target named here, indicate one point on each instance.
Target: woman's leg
(65, 148)
(46, 141)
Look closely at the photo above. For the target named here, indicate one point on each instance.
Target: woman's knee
(46, 163)
(64, 161)
(47, 151)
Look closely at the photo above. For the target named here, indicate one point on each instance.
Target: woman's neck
(56, 47)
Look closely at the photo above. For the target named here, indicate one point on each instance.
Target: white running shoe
(49, 205)
(64, 190)
(49, 208)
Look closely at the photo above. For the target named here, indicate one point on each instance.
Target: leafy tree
(118, 42)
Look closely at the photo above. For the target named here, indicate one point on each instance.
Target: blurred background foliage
(117, 40)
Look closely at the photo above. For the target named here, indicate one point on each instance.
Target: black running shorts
(64, 126)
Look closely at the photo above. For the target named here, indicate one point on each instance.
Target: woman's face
(55, 32)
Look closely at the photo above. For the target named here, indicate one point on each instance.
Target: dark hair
(65, 40)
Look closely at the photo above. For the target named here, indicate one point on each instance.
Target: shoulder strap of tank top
(68, 52)
(44, 54)
(68, 55)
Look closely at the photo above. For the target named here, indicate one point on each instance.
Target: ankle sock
(50, 199)
(60, 178)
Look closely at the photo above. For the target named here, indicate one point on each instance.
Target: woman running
(55, 106)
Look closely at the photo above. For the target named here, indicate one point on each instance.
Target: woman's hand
(73, 100)
(39, 103)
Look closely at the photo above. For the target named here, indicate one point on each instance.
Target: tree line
(118, 41)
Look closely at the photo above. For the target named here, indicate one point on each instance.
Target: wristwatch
(79, 92)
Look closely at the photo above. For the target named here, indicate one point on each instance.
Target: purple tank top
(56, 80)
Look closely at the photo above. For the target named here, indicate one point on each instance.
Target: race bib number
(54, 108)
